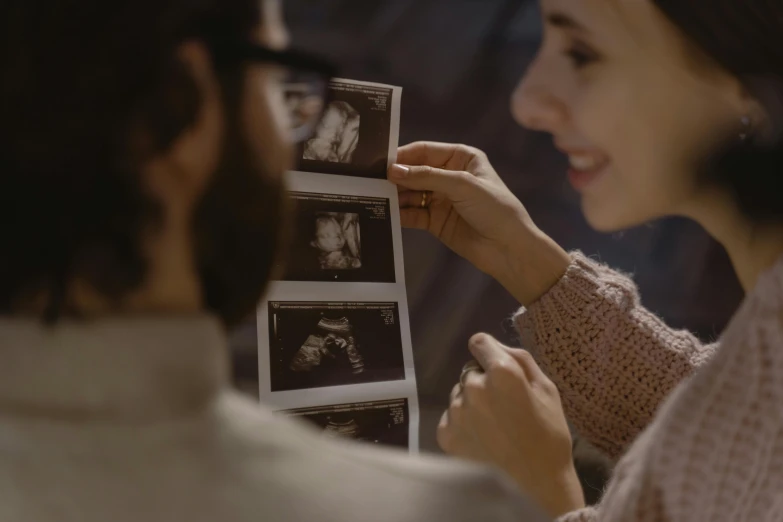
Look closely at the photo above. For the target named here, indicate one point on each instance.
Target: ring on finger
(424, 199)
(471, 366)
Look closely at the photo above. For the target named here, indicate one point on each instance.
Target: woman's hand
(510, 416)
(470, 209)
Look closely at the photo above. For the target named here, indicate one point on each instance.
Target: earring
(746, 128)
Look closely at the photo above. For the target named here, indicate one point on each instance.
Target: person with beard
(142, 145)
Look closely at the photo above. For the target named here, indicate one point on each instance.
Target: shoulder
(767, 295)
(408, 486)
(758, 324)
(717, 426)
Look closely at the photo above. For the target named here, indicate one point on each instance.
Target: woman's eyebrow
(563, 21)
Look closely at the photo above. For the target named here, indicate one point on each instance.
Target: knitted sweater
(700, 427)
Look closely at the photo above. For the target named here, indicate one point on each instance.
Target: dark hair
(79, 78)
(745, 37)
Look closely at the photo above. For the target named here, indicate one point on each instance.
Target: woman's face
(632, 105)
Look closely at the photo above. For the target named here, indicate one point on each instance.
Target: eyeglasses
(305, 87)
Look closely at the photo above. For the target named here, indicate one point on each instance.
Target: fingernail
(399, 171)
(479, 339)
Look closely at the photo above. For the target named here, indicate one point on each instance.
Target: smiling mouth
(585, 169)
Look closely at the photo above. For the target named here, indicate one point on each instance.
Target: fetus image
(346, 428)
(326, 343)
(337, 240)
(333, 339)
(337, 135)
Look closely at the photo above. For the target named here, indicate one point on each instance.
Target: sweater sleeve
(583, 515)
(613, 361)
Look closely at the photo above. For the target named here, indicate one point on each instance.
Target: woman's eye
(581, 56)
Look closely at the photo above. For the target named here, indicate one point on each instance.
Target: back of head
(91, 90)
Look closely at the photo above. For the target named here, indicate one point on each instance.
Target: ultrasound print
(315, 345)
(340, 238)
(378, 422)
(337, 136)
(353, 136)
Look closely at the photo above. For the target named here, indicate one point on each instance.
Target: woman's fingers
(417, 218)
(450, 435)
(412, 214)
(455, 184)
(413, 198)
(526, 361)
(456, 391)
(429, 153)
(489, 353)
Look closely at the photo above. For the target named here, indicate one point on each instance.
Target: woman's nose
(535, 106)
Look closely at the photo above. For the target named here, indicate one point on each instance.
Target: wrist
(531, 266)
(560, 495)
(567, 495)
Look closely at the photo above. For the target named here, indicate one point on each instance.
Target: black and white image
(353, 136)
(337, 136)
(333, 332)
(340, 238)
(378, 422)
(317, 344)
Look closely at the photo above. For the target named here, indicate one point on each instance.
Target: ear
(752, 110)
(744, 100)
(179, 174)
(763, 105)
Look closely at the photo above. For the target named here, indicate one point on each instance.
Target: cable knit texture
(707, 445)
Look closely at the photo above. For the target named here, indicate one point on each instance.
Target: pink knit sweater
(699, 427)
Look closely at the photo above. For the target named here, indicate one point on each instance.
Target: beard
(239, 227)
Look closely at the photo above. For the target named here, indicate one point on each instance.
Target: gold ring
(471, 366)
(423, 200)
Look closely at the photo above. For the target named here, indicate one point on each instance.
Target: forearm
(613, 361)
(531, 266)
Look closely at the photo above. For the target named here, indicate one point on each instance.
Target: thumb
(489, 352)
(454, 184)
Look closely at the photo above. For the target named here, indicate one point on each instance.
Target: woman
(700, 427)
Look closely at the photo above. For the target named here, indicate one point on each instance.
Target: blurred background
(458, 62)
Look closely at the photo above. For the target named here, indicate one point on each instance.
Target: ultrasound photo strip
(333, 328)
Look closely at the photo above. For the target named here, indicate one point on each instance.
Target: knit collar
(131, 369)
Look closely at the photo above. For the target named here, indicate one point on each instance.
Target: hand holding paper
(473, 213)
